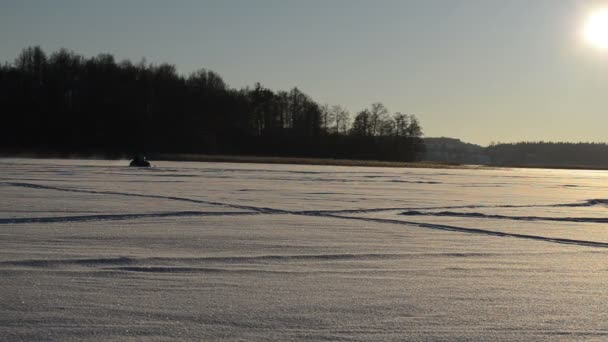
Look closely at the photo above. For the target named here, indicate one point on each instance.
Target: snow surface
(95, 250)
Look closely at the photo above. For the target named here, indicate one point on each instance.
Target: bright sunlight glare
(596, 29)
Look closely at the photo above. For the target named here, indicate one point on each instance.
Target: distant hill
(532, 154)
(550, 154)
(451, 150)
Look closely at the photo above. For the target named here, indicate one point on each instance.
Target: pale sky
(478, 70)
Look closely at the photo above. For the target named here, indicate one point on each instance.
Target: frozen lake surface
(95, 250)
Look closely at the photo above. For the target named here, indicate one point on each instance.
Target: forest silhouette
(66, 103)
(550, 154)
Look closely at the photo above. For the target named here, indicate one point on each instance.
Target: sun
(596, 29)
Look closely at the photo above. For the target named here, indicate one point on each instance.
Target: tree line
(549, 154)
(64, 102)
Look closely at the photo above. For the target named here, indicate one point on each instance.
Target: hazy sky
(479, 70)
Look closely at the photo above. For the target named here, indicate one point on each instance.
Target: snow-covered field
(95, 250)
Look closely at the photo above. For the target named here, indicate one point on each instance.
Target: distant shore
(356, 162)
(302, 161)
(190, 157)
(185, 157)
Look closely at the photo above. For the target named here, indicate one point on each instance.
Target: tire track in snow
(506, 217)
(120, 217)
(173, 198)
(332, 214)
(587, 203)
(476, 231)
(254, 259)
(232, 264)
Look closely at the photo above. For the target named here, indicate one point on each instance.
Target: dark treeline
(543, 154)
(64, 102)
(549, 154)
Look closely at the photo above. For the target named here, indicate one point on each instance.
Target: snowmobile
(139, 161)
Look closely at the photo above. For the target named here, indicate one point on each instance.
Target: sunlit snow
(95, 250)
